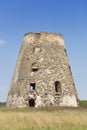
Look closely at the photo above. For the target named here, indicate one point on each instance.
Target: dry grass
(44, 119)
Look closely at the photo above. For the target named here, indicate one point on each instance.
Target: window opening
(34, 69)
(57, 86)
(32, 86)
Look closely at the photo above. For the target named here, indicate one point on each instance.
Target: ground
(44, 118)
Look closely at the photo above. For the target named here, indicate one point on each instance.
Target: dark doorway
(57, 86)
(31, 102)
(32, 86)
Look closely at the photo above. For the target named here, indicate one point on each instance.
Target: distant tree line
(2, 103)
(83, 103)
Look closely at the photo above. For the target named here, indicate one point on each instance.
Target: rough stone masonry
(42, 76)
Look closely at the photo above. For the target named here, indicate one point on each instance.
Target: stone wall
(42, 61)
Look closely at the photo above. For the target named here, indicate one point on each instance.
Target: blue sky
(67, 17)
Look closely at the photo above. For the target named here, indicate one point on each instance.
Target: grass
(43, 119)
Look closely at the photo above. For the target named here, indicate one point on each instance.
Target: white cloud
(2, 42)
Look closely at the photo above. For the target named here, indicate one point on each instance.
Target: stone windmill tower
(42, 75)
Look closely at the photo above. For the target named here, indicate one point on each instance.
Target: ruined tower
(42, 75)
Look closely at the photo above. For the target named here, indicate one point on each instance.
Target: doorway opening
(31, 102)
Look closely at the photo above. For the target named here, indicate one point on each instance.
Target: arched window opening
(57, 86)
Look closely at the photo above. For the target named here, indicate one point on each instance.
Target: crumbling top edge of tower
(43, 37)
(39, 33)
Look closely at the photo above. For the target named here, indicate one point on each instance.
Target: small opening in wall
(65, 51)
(32, 86)
(34, 69)
(38, 35)
(69, 67)
(57, 86)
(31, 102)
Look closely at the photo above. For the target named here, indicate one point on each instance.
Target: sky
(66, 17)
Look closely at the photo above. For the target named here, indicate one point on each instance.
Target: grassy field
(43, 119)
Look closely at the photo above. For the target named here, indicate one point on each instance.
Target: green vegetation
(57, 118)
(83, 103)
(2, 104)
(43, 119)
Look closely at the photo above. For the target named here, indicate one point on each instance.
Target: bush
(2, 103)
(83, 103)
